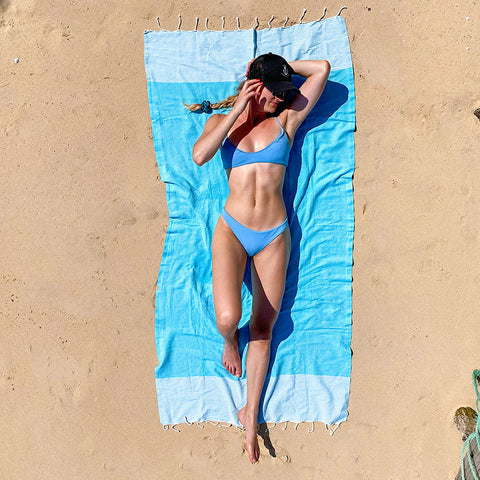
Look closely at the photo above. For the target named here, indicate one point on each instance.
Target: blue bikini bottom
(253, 241)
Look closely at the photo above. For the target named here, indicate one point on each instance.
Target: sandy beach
(83, 222)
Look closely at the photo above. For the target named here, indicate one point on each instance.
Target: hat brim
(284, 86)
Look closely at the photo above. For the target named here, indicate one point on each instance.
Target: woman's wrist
(234, 113)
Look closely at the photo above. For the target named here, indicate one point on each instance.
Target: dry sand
(83, 219)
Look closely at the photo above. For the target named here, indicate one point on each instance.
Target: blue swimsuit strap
(278, 121)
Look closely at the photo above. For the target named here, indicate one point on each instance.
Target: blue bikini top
(276, 152)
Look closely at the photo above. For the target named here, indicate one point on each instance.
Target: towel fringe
(303, 14)
(256, 25)
(329, 428)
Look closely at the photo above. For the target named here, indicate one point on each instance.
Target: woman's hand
(250, 89)
(217, 126)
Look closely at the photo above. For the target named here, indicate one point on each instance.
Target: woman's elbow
(325, 64)
(198, 158)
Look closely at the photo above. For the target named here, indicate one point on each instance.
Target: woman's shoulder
(216, 117)
(212, 121)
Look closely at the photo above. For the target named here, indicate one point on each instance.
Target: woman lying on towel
(254, 139)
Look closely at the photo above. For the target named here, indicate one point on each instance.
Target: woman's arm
(218, 125)
(317, 72)
(215, 130)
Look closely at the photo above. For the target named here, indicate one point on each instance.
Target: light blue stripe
(219, 399)
(326, 39)
(205, 56)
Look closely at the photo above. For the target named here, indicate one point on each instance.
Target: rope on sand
(466, 451)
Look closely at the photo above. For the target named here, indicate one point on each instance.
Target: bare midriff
(256, 195)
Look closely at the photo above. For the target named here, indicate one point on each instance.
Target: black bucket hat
(275, 73)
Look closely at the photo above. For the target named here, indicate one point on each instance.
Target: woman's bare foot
(249, 421)
(231, 357)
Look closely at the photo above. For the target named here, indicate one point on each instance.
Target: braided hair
(207, 107)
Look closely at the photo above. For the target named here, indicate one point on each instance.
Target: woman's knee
(261, 329)
(228, 320)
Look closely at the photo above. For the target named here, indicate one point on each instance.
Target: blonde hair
(226, 103)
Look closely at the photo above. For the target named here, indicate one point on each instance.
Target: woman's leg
(269, 269)
(228, 267)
